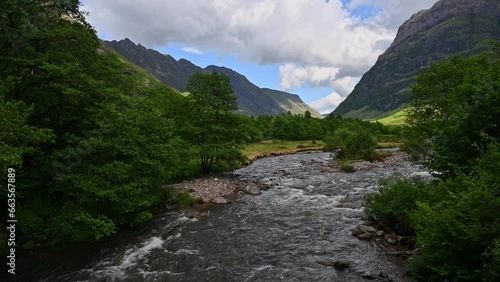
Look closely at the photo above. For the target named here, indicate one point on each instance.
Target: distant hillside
(252, 100)
(449, 27)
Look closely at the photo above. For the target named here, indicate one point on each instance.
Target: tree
(213, 127)
(455, 107)
(91, 148)
(357, 143)
(455, 116)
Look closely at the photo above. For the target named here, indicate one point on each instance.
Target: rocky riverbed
(219, 189)
(300, 229)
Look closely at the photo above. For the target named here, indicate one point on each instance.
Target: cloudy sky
(318, 49)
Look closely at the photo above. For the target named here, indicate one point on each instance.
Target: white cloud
(292, 76)
(192, 50)
(304, 32)
(316, 42)
(328, 103)
(345, 85)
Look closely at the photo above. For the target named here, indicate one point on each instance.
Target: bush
(458, 234)
(456, 221)
(395, 201)
(347, 168)
(357, 143)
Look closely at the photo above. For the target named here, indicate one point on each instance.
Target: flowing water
(291, 232)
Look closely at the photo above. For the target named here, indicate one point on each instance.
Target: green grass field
(397, 118)
(267, 147)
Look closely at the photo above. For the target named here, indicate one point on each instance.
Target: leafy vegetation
(453, 124)
(212, 126)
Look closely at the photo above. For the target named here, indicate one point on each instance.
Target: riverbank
(269, 148)
(217, 189)
(222, 189)
(393, 160)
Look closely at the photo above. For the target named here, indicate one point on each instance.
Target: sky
(318, 49)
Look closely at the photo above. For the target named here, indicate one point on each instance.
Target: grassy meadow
(267, 147)
(397, 118)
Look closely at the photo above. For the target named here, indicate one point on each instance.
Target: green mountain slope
(252, 100)
(290, 102)
(449, 27)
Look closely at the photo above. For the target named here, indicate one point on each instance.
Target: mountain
(252, 100)
(449, 27)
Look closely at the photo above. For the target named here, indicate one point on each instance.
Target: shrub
(458, 234)
(395, 201)
(357, 143)
(347, 168)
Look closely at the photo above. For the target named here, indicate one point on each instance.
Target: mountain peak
(447, 28)
(444, 10)
(252, 100)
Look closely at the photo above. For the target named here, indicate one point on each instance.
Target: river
(291, 232)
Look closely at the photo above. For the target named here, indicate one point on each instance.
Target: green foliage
(17, 137)
(122, 163)
(455, 122)
(359, 143)
(213, 127)
(455, 221)
(73, 225)
(91, 144)
(460, 232)
(185, 200)
(345, 167)
(396, 201)
(456, 104)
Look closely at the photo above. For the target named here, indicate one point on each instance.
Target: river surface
(290, 232)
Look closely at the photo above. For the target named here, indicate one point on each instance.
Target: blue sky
(314, 48)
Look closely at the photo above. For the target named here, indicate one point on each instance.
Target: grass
(267, 147)
(394, 119)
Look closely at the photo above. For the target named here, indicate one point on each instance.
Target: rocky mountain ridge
(449, 27)
(252, 100)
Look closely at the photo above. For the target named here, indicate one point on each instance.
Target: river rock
(338, 264)
(219, 200)
(252, 189)
(360, 229)
(380, 233)
(365, 236)
(391, 239)
(195, 214)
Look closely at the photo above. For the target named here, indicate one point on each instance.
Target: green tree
(357, 143)
(214, 128)
(90, 146)
(455, 122)
(113, 176)
(455, 106)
